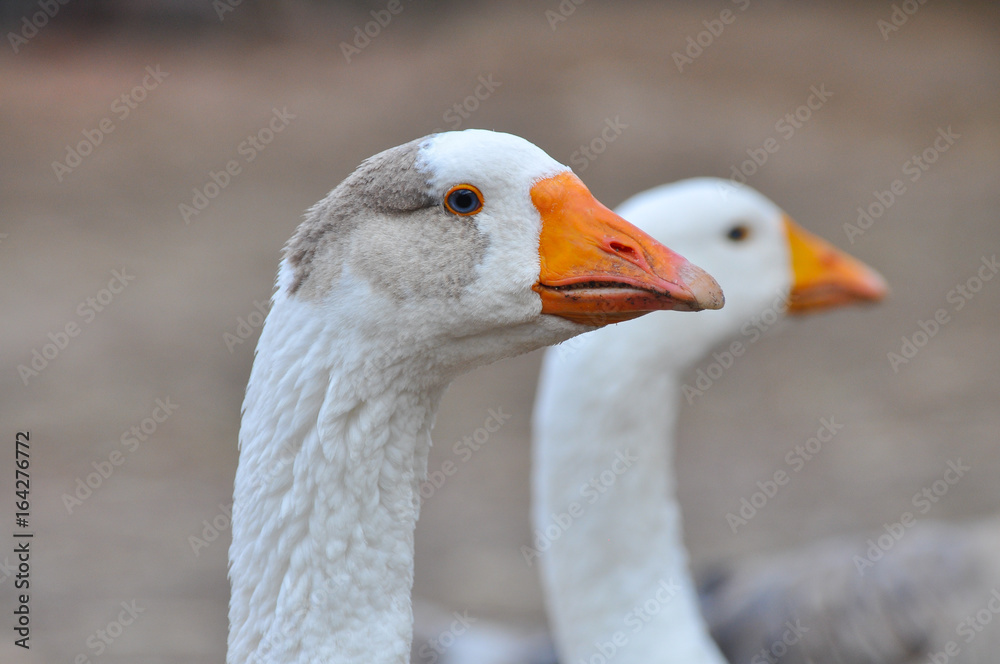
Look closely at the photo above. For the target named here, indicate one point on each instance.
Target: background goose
(430, 259)
(932, 596)
(607, 523)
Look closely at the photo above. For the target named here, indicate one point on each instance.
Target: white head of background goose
(432, 258)
(617, 578)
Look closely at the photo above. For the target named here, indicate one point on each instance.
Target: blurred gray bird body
(939, 585)
(932, 597)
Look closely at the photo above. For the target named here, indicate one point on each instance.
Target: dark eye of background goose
(463, 200)
(738, 233)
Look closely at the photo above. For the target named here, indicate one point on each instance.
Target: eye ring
(738, 233)
(463, 200)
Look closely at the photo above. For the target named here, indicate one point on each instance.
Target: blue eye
(463, 199)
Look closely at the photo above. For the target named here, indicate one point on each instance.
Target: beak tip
(704, 289)
(880, 287)
(825, 277)
(718, 302)
(872, 286)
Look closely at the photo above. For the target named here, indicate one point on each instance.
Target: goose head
(480, 243)
(763, 260)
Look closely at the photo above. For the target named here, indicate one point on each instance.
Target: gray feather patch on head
(387, 183)
(387, 225)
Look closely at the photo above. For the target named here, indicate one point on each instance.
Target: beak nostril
(624, 249)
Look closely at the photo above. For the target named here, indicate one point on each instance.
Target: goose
(929, 598)
(606, 521)
(432, 258)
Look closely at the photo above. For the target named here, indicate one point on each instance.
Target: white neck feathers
(326, 499)
(616, 571)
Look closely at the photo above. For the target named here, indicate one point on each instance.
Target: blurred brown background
(62, 234)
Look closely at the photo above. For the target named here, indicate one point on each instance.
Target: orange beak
(825, 277)
(596, 268)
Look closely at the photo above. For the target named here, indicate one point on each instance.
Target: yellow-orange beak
(596, 268)
(825, 277)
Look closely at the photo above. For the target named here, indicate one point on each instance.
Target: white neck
(616, 577)
(326, 498)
